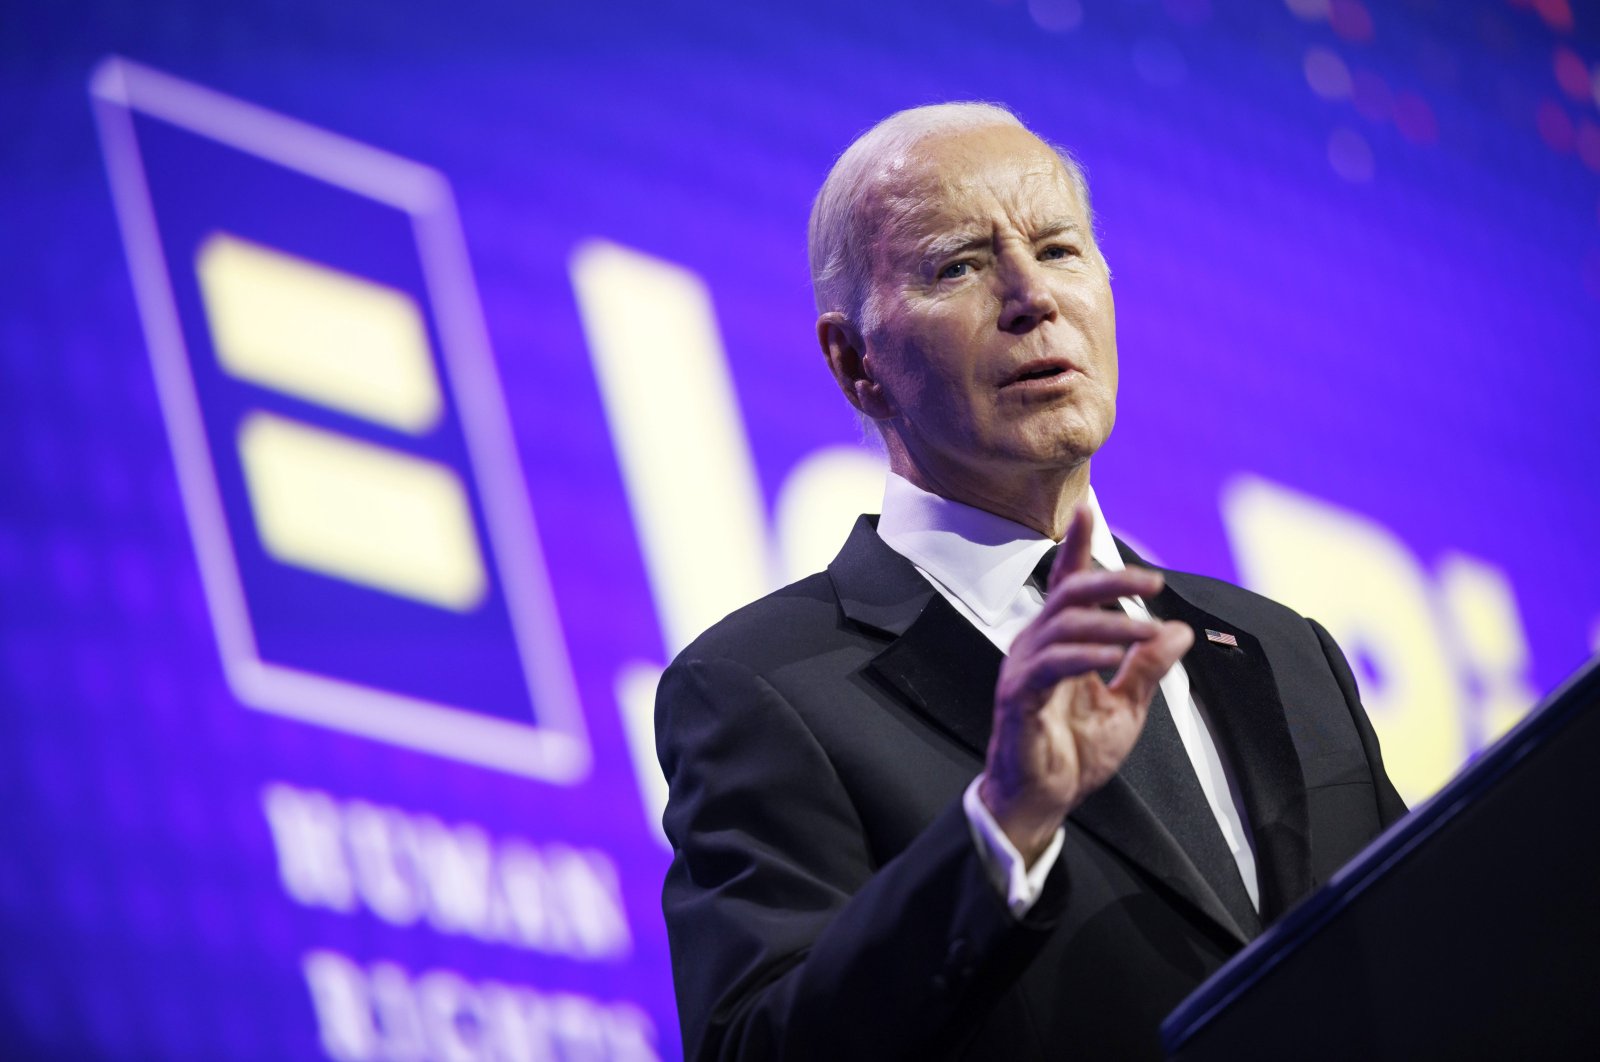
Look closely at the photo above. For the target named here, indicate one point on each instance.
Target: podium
(1469, 930)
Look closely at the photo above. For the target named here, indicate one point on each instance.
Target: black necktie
(1160, 771)
(1041, 571)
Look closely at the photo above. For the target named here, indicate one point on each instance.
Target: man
(930, 803)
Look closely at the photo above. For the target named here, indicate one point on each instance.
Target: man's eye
(1058, 250)
(954, 270)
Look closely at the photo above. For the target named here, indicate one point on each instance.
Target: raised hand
(1060, 731)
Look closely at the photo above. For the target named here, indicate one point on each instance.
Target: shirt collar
(981, 558)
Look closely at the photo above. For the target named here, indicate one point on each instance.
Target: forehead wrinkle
(918, 202)
(1018, 199)
(900, 217)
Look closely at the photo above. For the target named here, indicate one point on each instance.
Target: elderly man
(971, 793)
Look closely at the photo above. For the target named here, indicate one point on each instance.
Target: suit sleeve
(1391, 807)
(787, 941)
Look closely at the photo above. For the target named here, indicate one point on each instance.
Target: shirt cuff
(1020, 884)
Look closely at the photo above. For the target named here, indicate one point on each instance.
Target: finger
(1041, 671)
(1147, 661)
(1073, 556)
(1101, 588)
(1084, 625)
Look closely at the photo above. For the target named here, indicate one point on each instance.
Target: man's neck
(1043, 499)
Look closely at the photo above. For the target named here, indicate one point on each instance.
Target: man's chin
(1064, 447)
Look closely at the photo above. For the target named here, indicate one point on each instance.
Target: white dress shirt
(981, 563)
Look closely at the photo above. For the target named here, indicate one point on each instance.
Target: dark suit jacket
(826, 899)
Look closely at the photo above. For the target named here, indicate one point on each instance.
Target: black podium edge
(1391, 847)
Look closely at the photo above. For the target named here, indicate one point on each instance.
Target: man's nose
(1026, 299)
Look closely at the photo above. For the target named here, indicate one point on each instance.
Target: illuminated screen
(392, 388)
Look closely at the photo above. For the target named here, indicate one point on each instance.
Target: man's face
(990, 325)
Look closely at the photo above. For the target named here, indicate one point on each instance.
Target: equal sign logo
(376, 516)
(363, 531)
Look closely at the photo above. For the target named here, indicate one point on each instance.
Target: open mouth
(1039, 370)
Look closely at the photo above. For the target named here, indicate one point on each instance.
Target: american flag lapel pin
(1221, 638)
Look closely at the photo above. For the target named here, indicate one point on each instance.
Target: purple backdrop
(1356, 250)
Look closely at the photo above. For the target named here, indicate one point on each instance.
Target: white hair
(839, 237)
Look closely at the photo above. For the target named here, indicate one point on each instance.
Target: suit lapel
(1236, 685)
(935, 661)
(1119, 817)
(945, 669)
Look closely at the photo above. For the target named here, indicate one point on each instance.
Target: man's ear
(847, 360)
